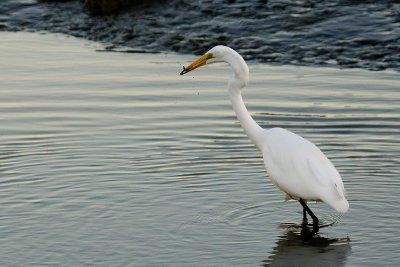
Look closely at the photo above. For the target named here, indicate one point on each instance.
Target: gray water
(113, 159)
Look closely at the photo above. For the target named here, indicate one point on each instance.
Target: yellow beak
(201, 61)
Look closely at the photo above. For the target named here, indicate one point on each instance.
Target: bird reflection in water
(305, 248)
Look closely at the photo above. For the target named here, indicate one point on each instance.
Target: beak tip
(184, 71)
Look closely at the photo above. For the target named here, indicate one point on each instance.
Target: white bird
(295, 165)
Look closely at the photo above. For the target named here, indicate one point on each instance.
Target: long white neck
(252, 129)
(236, 83)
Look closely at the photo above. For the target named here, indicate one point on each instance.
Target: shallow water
(113, 159)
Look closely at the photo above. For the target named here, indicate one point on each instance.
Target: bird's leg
(308, 210)
(305, 221)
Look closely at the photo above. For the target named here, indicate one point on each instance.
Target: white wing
(301, 170)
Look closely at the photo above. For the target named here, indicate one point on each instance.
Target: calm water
(111, 159)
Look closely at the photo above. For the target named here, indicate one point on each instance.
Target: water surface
(113, 159)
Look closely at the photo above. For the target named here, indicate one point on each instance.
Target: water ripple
(104, 162)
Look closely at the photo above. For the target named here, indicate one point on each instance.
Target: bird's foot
(311, 225)
(326, 225)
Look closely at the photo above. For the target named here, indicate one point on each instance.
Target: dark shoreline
(349, 34)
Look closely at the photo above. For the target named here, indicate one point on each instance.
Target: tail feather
(336, 199)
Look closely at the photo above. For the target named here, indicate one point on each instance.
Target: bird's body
(295, 165)
(301, 170)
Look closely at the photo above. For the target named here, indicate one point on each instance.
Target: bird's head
(226, 54)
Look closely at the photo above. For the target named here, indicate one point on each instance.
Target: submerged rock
(99, 7)
(103, 7)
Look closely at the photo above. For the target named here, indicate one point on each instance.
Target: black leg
(304, 216)
(307, 209)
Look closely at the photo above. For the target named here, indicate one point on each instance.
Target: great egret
(295, 165)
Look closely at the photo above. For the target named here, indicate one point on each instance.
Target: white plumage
(295, 165)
